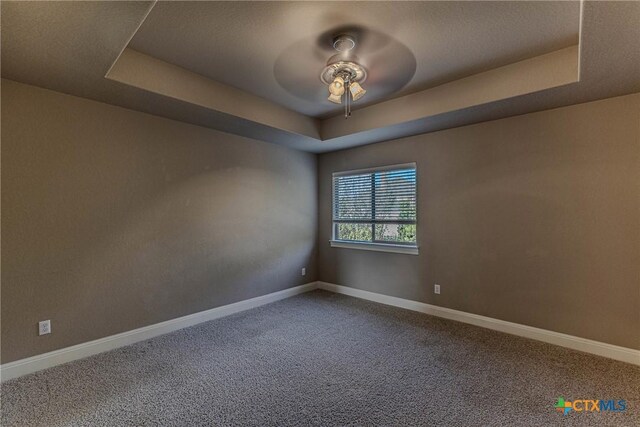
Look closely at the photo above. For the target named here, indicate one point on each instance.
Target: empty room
(320, 213)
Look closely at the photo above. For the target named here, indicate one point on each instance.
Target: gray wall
(114, 219)
(533, 219)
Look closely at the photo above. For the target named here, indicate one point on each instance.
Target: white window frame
(375, 245)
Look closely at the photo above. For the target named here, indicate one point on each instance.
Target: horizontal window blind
(376, 205)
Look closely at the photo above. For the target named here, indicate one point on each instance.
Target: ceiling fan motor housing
(346, 67)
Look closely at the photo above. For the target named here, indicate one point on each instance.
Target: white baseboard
(576, 343)
(68, 354)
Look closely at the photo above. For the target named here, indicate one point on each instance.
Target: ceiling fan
(343, 73)
(358, 55)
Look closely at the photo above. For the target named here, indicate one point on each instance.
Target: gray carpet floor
(330, 360)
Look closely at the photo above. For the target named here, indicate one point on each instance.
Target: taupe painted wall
(533, 219)
(114, 219)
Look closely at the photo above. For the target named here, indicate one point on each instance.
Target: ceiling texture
(252, 68)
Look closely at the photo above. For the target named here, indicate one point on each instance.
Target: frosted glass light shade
(337, 86)
(356, 91)
(336, 99)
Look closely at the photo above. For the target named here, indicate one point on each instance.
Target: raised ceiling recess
(253, 68)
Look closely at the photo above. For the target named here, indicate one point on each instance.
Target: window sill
(379, 247)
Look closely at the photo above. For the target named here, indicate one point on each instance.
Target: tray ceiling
(251, 68)
(276, 50)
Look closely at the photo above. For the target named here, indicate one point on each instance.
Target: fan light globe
(336, 99)
(337, 87)
(356, 91)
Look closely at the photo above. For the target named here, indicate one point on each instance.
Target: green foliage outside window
(357, 232)
(396, 233)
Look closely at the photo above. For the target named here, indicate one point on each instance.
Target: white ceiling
(276, 50)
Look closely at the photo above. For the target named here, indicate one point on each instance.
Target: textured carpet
(325, 359)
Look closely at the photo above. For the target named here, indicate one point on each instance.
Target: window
(375, 209)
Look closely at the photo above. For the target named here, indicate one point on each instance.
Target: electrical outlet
(304, 271)
(44, 327)
(436, 289)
